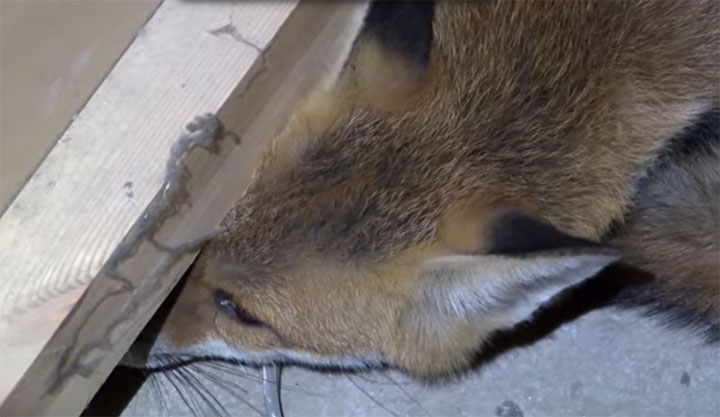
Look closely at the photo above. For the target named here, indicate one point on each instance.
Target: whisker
(170, 361)
(297, 390)
(193, 398)
(407, 394)
(373, 399)
(169, 377)
(216, 378)
(157, 392)
(227, 387)
(163, 379)
(204, 392)
(233, 370)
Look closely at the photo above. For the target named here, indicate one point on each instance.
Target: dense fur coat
(458, 175)
(672, 231)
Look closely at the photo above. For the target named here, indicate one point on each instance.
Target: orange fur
(549, 107)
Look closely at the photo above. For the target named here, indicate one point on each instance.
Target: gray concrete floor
(607, 363)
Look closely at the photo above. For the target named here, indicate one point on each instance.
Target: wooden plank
(57, 347)
(54, 55)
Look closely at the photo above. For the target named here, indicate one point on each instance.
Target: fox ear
(521, 264)
(462, 296)
(390, 59)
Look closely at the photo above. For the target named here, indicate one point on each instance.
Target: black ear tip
(515, 233)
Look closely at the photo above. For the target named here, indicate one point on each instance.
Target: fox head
(454, 178)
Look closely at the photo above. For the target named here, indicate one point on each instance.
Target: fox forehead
(363, 190)
(357, 179)
(342, 197)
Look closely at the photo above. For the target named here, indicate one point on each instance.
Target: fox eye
(228, 307)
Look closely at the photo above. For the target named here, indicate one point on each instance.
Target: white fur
(220, 349)
(465, 286)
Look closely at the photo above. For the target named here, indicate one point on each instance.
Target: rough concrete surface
(607, 363)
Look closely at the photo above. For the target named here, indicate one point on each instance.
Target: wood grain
(64, 320)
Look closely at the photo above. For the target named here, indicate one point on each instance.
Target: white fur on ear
(503, 289)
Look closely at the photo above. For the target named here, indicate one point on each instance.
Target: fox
(672, 234)
(470, 164)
